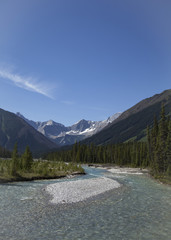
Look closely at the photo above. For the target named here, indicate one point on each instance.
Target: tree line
(159, 144)
(16, 164)
(131, 154)
(24, 167)
(23, 163)
(154, 153)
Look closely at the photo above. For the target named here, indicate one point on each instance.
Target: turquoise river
(139, 209)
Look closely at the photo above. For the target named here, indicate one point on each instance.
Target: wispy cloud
(27, 83)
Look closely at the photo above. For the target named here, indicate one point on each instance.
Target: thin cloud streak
(27, 83)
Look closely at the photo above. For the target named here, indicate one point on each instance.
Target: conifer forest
(154, 152)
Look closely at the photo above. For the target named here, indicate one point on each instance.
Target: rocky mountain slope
(132, 124)
(63, 135)
(14, 129)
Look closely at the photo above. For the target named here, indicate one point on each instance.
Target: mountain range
(63, 135)
(46, 136)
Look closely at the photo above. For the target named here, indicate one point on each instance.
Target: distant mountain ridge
(128, 126)
(147, 102)
(14, 129)
(63, 135)
(132, 124)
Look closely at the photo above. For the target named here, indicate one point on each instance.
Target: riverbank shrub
(24, 167)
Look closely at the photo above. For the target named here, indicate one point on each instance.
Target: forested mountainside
(154, 153)
(131, 125)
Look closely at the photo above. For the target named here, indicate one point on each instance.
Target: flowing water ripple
(140, 209)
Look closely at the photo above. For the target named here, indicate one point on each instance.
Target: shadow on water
(27, 183)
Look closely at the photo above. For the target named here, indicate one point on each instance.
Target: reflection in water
(137, 210)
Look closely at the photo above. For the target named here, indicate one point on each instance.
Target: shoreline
(130, 170)
(24, 179)
(120, 169)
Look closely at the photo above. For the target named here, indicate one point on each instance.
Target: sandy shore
(79, 190)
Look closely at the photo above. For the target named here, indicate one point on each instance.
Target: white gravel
(117, 170)
(79, 190)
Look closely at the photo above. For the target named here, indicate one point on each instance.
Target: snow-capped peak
(50, 122)
(62, 135)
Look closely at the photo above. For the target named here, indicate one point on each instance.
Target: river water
(139, 209)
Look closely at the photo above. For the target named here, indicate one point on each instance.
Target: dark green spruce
(154, 153)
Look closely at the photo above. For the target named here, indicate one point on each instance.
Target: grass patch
(38, 170)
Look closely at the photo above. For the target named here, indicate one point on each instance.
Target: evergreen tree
(160, 154)
(27, 159)
(74, 151)
(153, 143)
(167, 164)
(15, 161)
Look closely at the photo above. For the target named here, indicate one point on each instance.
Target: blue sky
(71, 59)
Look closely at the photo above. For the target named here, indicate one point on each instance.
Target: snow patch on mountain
(63, 135)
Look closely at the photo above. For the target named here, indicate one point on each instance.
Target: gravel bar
(134, 171)
(79, 190)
